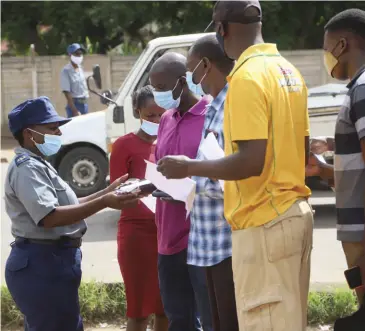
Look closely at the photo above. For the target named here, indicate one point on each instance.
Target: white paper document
(180, 189)
(320, 158)
(150, 203)
(212, 151)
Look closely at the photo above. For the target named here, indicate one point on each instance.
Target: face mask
(195, 88)
(220, 39)
(149, 127)
(330, 62)
(166, 100)
(77, 59)
(51, 145)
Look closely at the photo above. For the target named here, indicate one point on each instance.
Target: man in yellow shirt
(266, 131)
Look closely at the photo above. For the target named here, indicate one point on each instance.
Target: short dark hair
(140, 97)
(352, 20)
(19, 137)
(208, 47)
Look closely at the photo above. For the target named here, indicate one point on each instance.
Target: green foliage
(106, 302)
(98, 302)
(299, 24)
(104, 25)
(9, 312)
(326, 307)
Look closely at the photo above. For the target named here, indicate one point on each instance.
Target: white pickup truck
(87, 140)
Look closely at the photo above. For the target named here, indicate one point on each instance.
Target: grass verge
(106, 302)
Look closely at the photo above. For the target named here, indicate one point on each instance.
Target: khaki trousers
(271, 270)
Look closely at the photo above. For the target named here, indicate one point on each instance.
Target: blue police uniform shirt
(74, 81)
(33, 189)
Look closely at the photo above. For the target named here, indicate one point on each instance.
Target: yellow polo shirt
(267, 99)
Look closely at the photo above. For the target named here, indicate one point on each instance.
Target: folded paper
(179, 189)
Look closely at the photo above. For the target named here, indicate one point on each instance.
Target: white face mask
(195, 88)
(52, 143)
(149, 127)
(165, 99)
(77, 59)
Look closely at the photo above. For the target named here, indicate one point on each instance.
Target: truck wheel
(84, 169)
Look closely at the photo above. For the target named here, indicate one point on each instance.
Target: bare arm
(71, 103)
(117, 182)
(247, 162)
(327, 173)
(94, 196)
(67, 215)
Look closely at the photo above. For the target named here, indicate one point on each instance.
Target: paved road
(99, 248)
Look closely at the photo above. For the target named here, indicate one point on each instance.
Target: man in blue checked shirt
(210, 235)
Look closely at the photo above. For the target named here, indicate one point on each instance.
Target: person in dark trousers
(344, 57)
(43, 270)
(73, 82)
(265, 196)
(183, 287)
(137, 232)
(210, 245)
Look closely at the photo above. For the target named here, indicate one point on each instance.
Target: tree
(299, 24)
(105, 24)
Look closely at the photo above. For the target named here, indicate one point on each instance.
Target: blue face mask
(195, 88)
(166, 99)
(51, 145)
(149, 127)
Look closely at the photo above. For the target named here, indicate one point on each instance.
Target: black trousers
(222, 296)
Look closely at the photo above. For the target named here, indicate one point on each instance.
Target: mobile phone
(161, 194)
(147, 188)
(144, 186)
(353, 277)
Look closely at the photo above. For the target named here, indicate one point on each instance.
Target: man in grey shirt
(344, 46)
(73, 82)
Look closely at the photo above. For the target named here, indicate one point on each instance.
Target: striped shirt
(210, 234)
(349, 163)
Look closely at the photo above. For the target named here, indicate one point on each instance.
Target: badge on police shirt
(21, 159)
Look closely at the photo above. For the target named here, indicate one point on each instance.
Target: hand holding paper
(180, 189)
(174, 166)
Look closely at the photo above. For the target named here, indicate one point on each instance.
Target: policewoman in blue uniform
(43, 271)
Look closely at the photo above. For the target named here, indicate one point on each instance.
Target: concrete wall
(17, 82)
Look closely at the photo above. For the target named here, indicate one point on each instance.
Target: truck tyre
(84, 169)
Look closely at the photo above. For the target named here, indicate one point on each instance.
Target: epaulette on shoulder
(21, 158)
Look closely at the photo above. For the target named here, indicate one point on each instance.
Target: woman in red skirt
(137, 233)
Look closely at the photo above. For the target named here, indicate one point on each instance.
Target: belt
(63, 242)
(81, 100)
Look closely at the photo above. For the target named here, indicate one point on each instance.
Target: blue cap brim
(56, 119)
